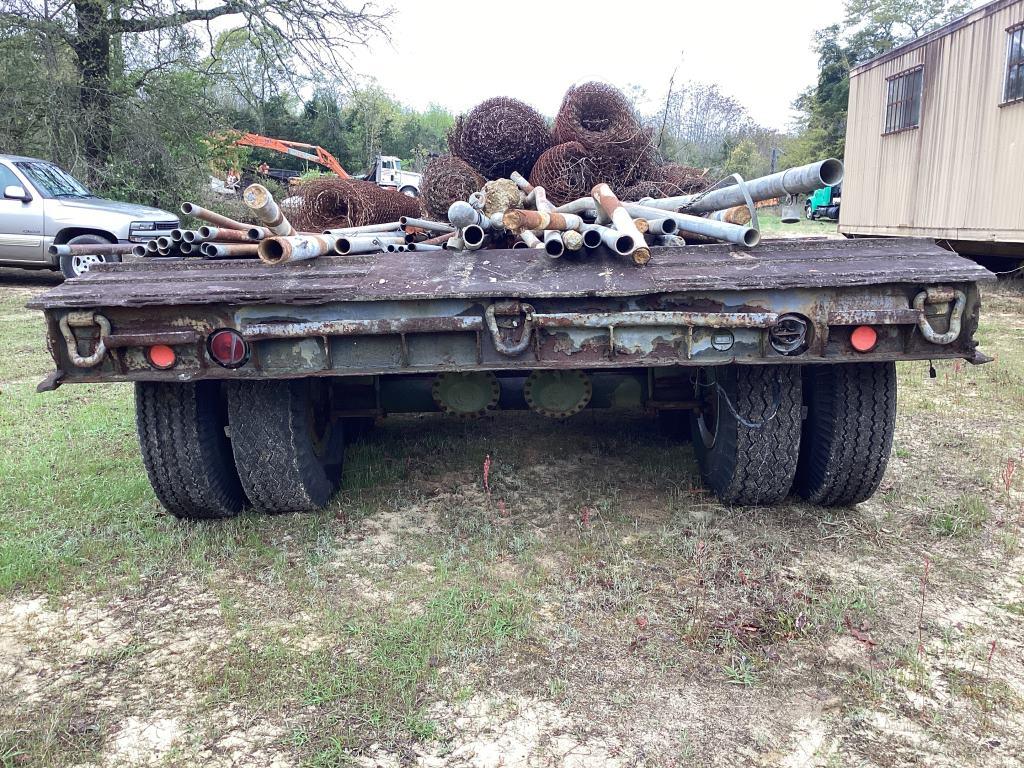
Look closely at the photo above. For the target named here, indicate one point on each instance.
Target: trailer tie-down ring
(940, 296)
(84, 320)
(510, 350)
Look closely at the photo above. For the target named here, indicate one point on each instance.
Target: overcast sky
(458, 53)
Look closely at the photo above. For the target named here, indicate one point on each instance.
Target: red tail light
(228, 348)
(161, 357)
(864, 338)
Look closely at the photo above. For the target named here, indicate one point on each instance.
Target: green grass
(772, 226)
(596, 572)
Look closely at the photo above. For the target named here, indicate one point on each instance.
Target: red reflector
(228, 348)
(161, 356)
(864, 338)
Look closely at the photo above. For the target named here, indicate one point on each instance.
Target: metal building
(935, 138)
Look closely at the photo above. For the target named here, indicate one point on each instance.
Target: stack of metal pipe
(528, 220)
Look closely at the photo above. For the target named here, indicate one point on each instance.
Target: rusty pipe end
(256, 196)
(641, 255)
(274, 250)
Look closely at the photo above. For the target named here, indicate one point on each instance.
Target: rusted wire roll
(445, 180)
(339, 203)
(602, 119)
(598, 115)
(566, 171)
(499, 136)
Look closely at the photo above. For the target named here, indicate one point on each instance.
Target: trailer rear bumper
(381, 338)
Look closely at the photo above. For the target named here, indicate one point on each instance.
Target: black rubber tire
(278, 462)
(185, 449)
(753, 463)
(847, 435)
(66, 264)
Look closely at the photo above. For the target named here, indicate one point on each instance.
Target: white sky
(458, 53)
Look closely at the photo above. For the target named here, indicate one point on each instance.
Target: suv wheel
(78, 264)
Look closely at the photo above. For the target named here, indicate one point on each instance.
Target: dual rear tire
(211, 450)
(823, 432)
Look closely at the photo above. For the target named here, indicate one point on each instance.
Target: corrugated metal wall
(960, 175)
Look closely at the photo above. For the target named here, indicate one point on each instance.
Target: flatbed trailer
(778, 361)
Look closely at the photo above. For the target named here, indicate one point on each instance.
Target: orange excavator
(295, 149)
(386, 172)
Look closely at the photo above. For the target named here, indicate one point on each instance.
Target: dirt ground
(515, 592)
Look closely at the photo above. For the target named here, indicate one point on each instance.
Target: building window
(903, 101)
(1014, 88)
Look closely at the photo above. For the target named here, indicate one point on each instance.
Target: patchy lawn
(590, 606)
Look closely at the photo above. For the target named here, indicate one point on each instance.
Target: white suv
(43, 205)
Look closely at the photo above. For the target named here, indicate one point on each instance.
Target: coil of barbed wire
(339, 203)
(499, 136)
(445, 180)
(566, 171)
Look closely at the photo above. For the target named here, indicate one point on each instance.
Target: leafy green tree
(869, 28)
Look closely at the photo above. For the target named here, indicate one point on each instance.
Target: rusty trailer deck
(520, 273)
(518, 310)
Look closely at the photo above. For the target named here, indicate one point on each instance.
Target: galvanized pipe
(191, 209)
(164, 242)
(698, 225)
(350, 246)
(176, 235)
(228, 250)
(474, 236)
(531, 240)
(94, 249)
(258, 233)
(430, 226)
(553, 245)
(139, 250)
(455, 243)
(462, 215)
(424, 247)
(622, 221)
(384, 240)
(662, 226)
(521, 182)
(795, 181)
(186, 248)
(282, 250)
(151, 246)
(393, 226)
(262, 203)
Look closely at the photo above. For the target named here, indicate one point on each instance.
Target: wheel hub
(82, 262)
(558, 394)
(466, 394)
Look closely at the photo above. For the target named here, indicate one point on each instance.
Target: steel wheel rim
(80, 263)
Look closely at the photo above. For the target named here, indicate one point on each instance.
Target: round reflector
(228, 348)
(864, 338)
(161, 356)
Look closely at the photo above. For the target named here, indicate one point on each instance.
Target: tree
(99, 32)
(869, 28)
(744, 160)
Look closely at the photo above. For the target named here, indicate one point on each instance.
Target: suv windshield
(52, 181)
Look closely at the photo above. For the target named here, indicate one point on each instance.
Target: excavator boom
(295, 149)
